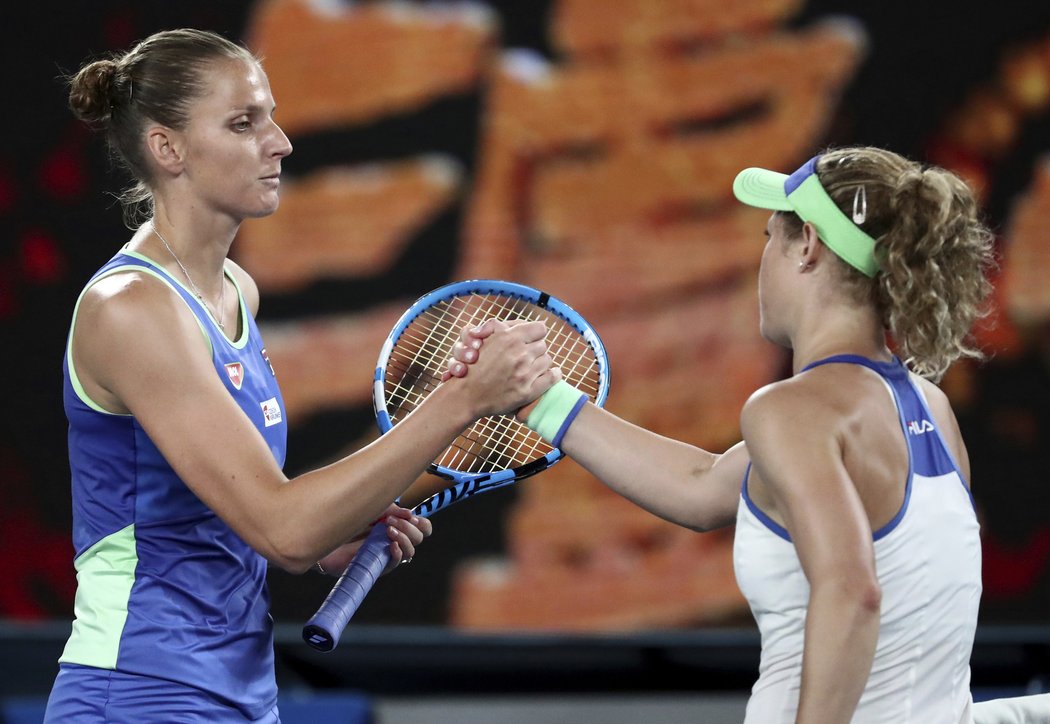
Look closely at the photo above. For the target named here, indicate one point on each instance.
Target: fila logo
(920, 427)
(236, 372)
(271, 412)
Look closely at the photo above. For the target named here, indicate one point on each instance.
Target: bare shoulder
(124, 300)
(935, 396)
(939, 405)
(131, 323)
(249, 288)
(821, 408)
(794, 405)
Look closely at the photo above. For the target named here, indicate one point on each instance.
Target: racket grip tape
(323, 630)
(555, 411)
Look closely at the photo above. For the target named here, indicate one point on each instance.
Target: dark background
(59, 222)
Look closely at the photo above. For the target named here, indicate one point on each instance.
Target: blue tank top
(165, 588)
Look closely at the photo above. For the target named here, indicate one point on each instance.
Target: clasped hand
(517, 348)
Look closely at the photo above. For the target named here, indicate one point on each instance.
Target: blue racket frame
(324, 629)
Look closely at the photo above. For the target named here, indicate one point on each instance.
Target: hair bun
(92, 91)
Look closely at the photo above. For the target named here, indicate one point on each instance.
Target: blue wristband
(555, 411)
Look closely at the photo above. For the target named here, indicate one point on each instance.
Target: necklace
(222, 291)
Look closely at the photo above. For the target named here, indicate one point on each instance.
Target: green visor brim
(802, 193)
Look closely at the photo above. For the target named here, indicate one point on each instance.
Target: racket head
(410, 366)
(495, 450)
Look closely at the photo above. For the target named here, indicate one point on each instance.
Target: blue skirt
(87, 695)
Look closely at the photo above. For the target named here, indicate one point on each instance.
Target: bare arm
(144, 354)
(674, 480)
(679, 482)
(796, 452)
(405, 531)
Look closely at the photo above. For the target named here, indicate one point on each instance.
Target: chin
(265, 210)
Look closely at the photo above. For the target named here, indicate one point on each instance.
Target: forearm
(666, 477)
(318, 511)
(842, 628)
(336, 562)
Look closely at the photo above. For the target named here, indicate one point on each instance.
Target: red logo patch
(236, 372)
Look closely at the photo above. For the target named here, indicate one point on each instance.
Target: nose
(281, 146)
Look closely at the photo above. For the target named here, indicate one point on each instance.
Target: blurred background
(586, 147)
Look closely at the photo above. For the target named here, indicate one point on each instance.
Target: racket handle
(323, 630)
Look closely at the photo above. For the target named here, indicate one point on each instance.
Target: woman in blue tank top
(177, 428)
(856, 540)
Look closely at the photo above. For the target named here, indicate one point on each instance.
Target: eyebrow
(252, 108)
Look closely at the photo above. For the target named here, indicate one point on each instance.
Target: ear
(812, 249)
(165, 147)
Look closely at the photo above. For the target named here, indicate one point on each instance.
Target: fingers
(543, 381)
(407, 523)
(465, 350)
(455, 369)
(484, 329)
(533, 331)
(406, 531)
(506, 364)
(541, 384)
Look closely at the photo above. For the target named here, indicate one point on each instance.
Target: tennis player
(177, 429)
(857, 545)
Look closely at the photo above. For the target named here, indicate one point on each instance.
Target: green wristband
(556, 407)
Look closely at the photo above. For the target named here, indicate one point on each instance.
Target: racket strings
(418, 377)
(420, 355)
(427, 354)
(422, 350)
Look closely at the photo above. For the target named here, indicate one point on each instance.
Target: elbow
(707, 519)
(871, 597)
(711, 523)
(700, 526)
(288, 560)
(290, 555)
(867, 595)
(295, 566)
(860, 595)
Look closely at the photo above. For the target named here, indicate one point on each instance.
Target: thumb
(485, 329)
(523, 413)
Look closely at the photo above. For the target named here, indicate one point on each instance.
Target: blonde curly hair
(934, 252)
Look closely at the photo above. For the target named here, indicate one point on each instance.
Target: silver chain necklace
(222, 291)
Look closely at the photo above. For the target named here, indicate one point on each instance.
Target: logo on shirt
(920, 427)
(236, 372)
(267, 358)
(271, 412)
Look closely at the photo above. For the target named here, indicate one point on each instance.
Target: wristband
(555, 411)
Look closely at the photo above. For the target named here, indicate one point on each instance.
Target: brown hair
(156, 81)
(934, 253)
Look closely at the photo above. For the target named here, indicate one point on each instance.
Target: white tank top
(928, 561)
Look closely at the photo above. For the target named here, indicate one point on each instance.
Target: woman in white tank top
(856, 544)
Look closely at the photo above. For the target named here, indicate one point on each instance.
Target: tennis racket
(491, 453)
